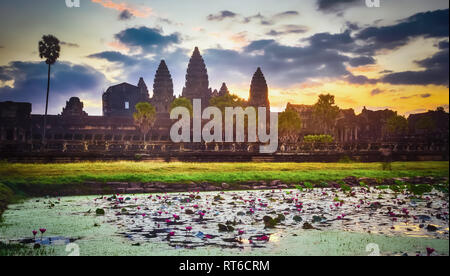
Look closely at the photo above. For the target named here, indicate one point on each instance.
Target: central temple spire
(259, 92)
(162, 89)
(197, 83)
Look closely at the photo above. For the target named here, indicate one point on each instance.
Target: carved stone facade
(197, 83)
(74, 108)
(115, 131)
(430, 124)
(348, 127)
(120, 100)
(15, 121)
(162, 89)
(259, 91)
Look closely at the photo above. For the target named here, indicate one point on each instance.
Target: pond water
(279, 222)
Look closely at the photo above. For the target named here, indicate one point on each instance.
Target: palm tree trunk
(46, 106)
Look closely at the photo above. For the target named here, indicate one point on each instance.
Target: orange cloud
(138, 12)
(118, 46)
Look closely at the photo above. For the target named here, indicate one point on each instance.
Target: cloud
(286, 14)
(261, 19)
(116, 57)
(361, 61)
(148, 39)
(436, 70)
(359, 80)
(69, 44)
(335, 5)
(284, 65)
(376, 91)
(431, 24)
(443, 45)
(221, 15)
(288, 29)
(425, 95)
(125, 15)
(119, 6)
(67, 80)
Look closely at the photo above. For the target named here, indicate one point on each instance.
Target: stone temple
(76, 135)
(162, 89)
(197, 83)
(120, 100)
(259, 91)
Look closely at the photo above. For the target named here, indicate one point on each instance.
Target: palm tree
(49, 49)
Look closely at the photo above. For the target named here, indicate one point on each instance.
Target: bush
(386, 166)
(323, 138)
(346, 159)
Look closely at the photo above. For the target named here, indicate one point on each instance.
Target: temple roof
(163, 84)
(259, 91)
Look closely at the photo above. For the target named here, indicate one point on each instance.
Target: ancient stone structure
(120, 100)
(259, 92)
(162, 89)
(15, 121)
(348, 127)
(197, 83)
(223, 90)
(75, 134)
(429, 124)
(74, 108)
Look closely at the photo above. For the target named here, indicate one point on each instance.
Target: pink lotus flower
(241, 232)
(143, 215)
(43, 230)
(430, 251)
(34, 233)
(171, 234)
(188, 228)
(168, 221)
(208, 236)
(263, 238)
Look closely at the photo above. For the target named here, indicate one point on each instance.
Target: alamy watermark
(373, 3)
(234, 117)
(73, 3)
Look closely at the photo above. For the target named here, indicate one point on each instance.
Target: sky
(394, 56)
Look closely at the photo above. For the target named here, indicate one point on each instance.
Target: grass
(22, 250)
(73, 173)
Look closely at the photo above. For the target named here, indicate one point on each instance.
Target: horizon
(380, 58)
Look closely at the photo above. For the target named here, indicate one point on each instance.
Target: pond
(321, 221)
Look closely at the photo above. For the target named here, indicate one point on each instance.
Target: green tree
(325, 112)
(397, 125)
(289, 123)
(49, 49)
(183, 102)
(227, 100)
(144, 117)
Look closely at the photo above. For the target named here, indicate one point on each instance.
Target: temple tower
(223, 90)
(197, 83)
(259, 92)
(162, 89)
